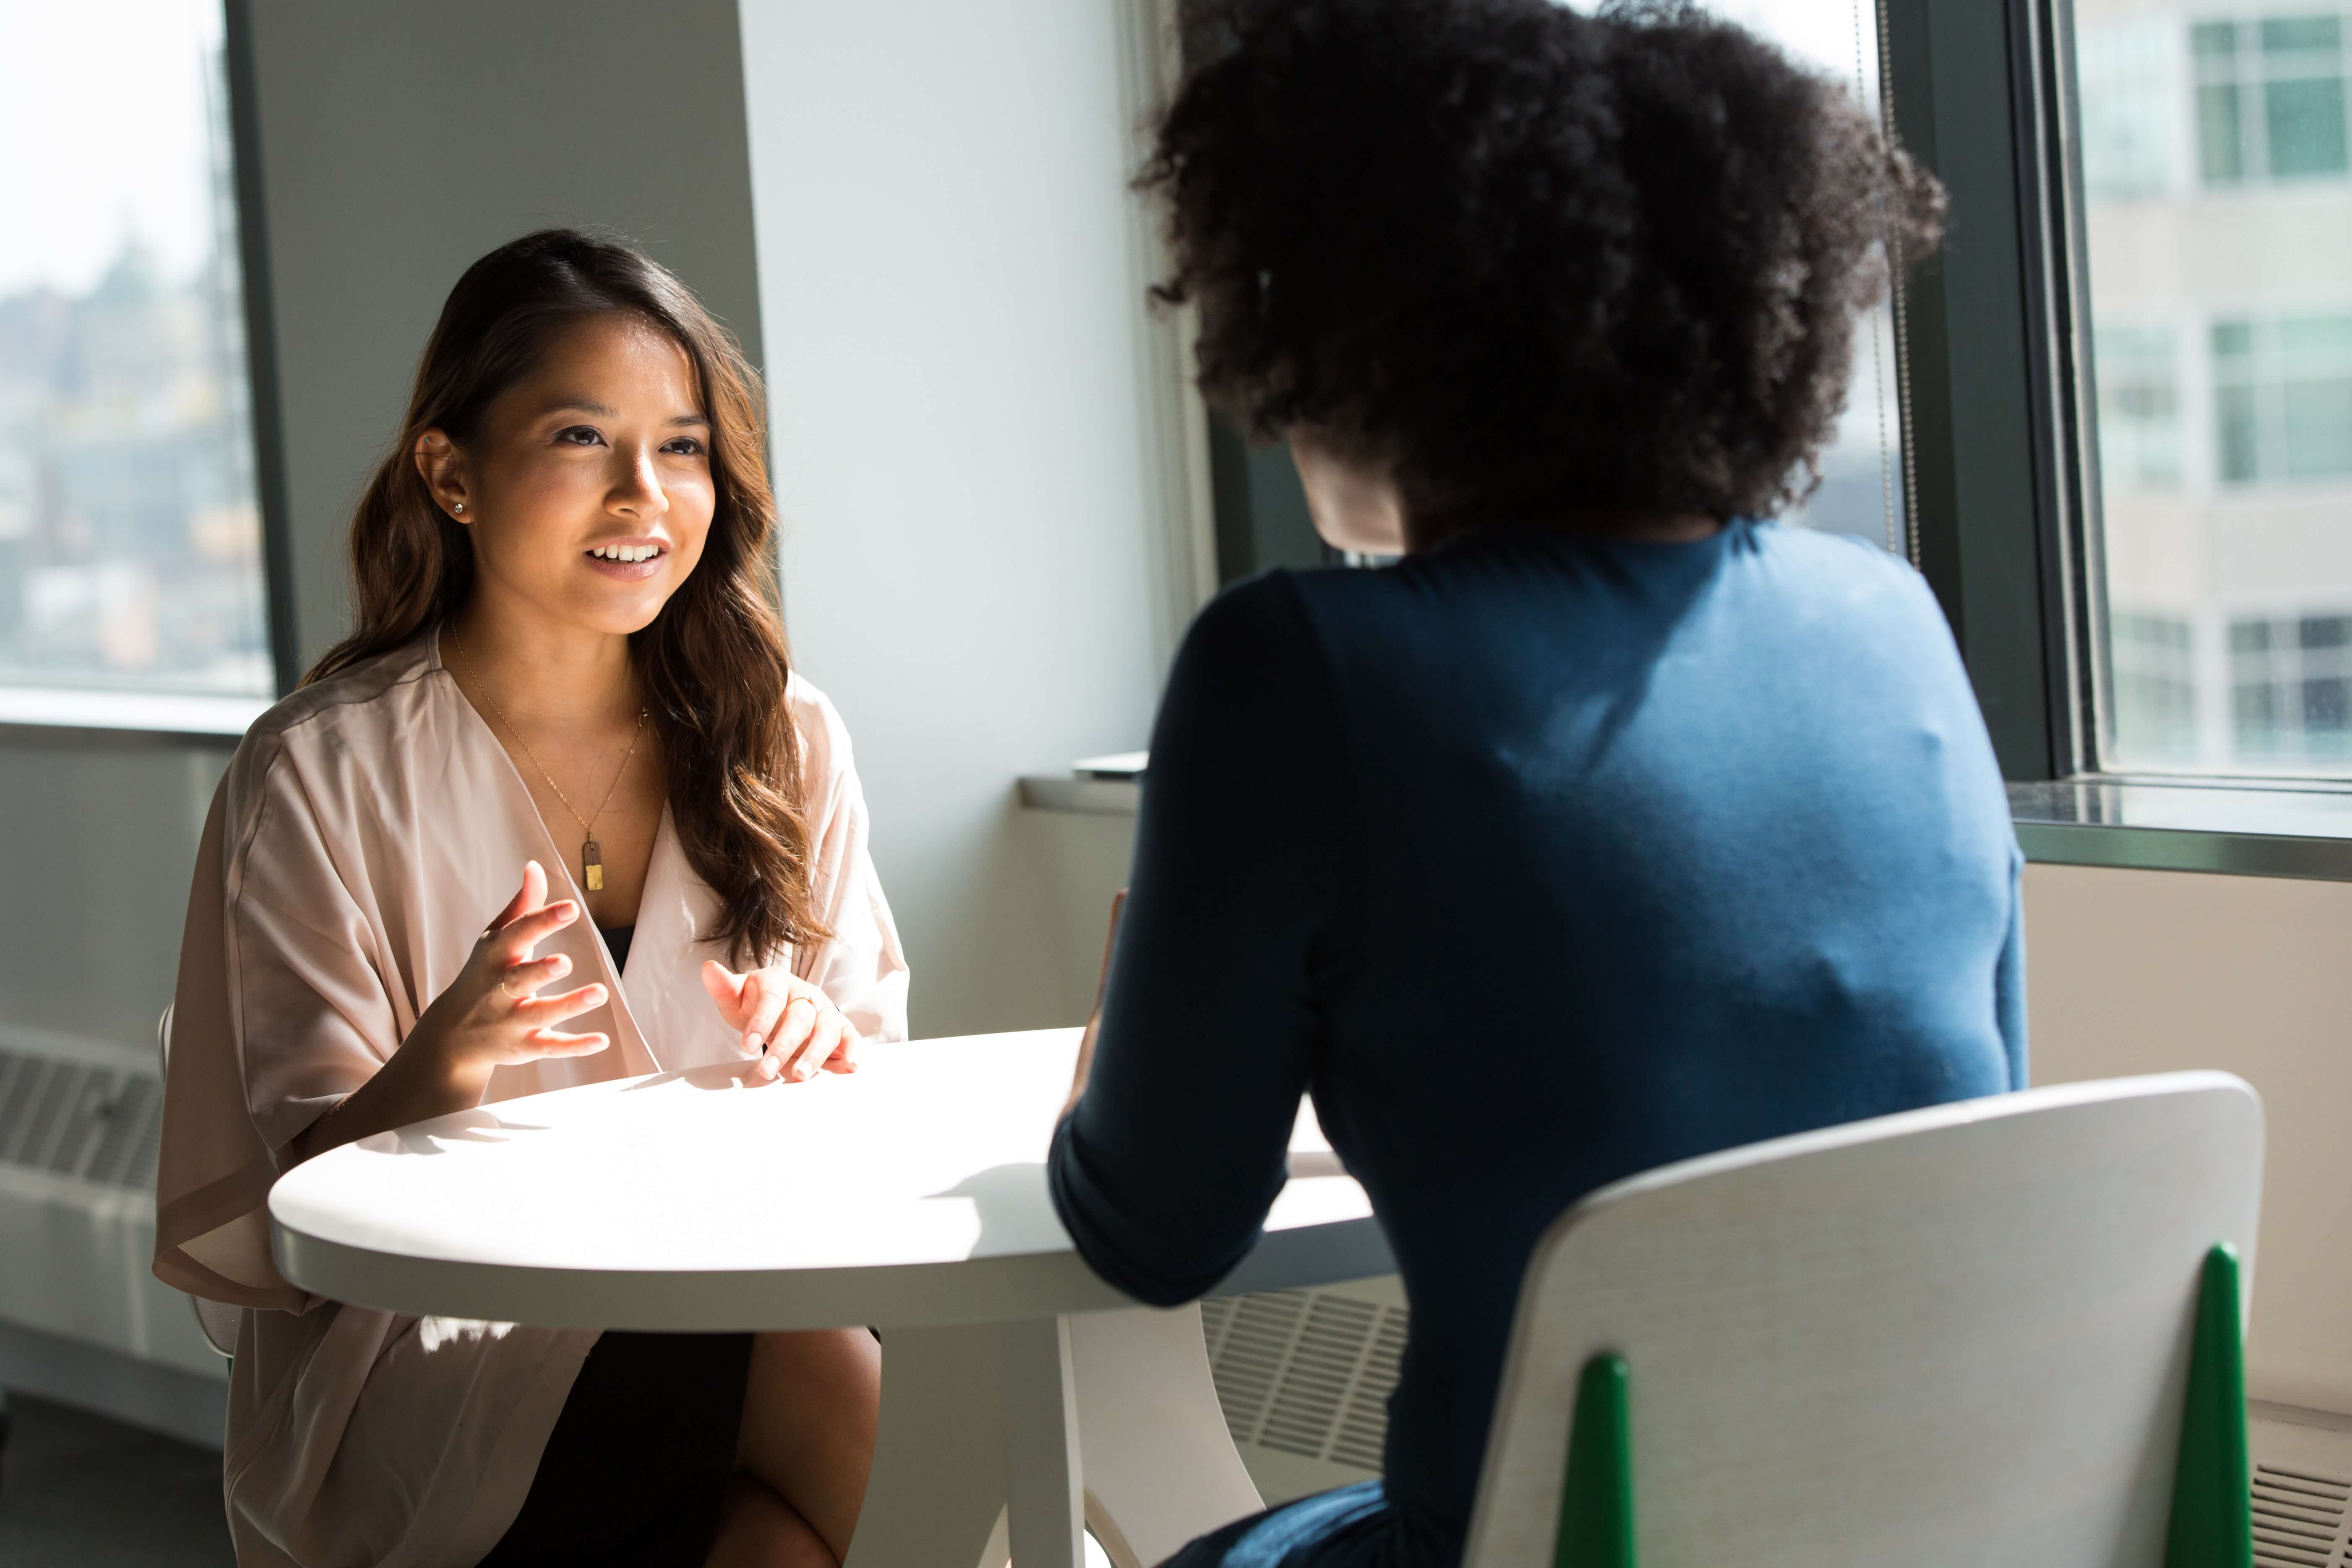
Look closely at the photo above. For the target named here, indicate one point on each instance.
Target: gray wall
(984, 564)
(402, 140)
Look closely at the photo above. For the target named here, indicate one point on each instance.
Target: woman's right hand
(492, 1015)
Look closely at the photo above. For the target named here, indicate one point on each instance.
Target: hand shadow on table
(712, 1075)
(480, 1125)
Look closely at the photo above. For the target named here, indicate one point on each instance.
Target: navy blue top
(1539, 860)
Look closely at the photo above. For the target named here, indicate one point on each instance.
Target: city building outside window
(2283, 397)
(129, 538)
(2217, 197)
(2139, 407)
(2269, 97)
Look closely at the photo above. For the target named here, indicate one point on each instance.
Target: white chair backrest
(1955, 1336)
(216, 1320)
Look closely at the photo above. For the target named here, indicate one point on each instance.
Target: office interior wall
(970, 445)
(2135, 971)
(400, 140)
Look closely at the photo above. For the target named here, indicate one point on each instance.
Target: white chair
(218, 1321)
(1962, 1335)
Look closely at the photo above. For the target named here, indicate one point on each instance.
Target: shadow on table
(1014, 1209)
(715, 1075)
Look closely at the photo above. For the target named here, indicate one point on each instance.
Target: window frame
(2003, 427)
(49, 713)
(2000, 417)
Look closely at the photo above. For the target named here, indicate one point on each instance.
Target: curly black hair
(1528, 261)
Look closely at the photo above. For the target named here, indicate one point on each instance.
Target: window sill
(60, 712)
(2231, 828)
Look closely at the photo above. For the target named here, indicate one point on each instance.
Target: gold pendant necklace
(592, 856)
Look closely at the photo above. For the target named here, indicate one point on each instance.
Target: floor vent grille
(97, 1124)
(1307, 1372)
(2300, 1518)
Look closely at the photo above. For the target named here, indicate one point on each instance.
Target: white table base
(1012, 1435)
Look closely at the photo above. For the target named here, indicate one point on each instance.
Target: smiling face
(587, 491)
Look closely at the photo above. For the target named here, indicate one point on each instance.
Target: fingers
(539, 1012)
(527, 898)
(807, 1035)
(525, 931)
(549, 1043)
(726, 988)
(519, 981)
(846, 1047)
(765, 1001)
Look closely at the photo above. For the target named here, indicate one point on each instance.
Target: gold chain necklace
(592, 858)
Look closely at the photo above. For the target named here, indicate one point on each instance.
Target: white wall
(2133, 971)
(984, 564)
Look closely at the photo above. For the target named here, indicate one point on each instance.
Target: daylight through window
(2218, 206)
(129, 541)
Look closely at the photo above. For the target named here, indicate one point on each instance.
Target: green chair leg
(2212, 1512)
(1596, 1498)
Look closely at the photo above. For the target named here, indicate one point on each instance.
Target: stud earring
(459, 507)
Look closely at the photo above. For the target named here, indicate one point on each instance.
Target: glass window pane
(2235, 435)
(130, 542)
(2220, 139)
(1861, 492)
(2305, 124)
(2220, 351)
(2297, 35)
(2318, 427)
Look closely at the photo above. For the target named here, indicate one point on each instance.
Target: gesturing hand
(492, 1015)
(789, 1023)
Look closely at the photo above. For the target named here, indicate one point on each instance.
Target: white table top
(911, 1192)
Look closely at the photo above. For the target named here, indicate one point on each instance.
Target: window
(2269, 97)
(2282, 398)
(2291, 689)
(1260, 514)
(2220, 351)
(1863, 471)
(129, 538)
(2129, 130)
(2139, 407)
(2155, 683)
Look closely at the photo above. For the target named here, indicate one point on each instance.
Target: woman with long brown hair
(563, 743)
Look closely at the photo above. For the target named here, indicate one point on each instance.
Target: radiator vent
(2300, 1518)
(1307, 1372)
(73, 1119)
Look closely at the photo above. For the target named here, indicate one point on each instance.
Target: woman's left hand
(790, 1025)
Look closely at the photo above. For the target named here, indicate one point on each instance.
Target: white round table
(1021, 1395)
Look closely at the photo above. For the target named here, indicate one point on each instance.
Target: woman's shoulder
(824, 737)
(373, 693)
(365, 708)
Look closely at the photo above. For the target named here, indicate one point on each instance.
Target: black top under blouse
(617, 939)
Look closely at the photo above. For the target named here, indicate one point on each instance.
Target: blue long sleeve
(1235, 919)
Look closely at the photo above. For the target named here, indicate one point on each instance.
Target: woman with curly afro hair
(1617, 822)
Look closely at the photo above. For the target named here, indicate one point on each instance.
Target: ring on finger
(511, 996)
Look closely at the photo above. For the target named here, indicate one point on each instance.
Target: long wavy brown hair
(713, 665)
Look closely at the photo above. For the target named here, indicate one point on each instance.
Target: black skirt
(638, 1464)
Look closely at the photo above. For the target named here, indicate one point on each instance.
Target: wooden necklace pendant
(592, 867)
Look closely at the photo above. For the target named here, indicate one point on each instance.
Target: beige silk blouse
(367, 830)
